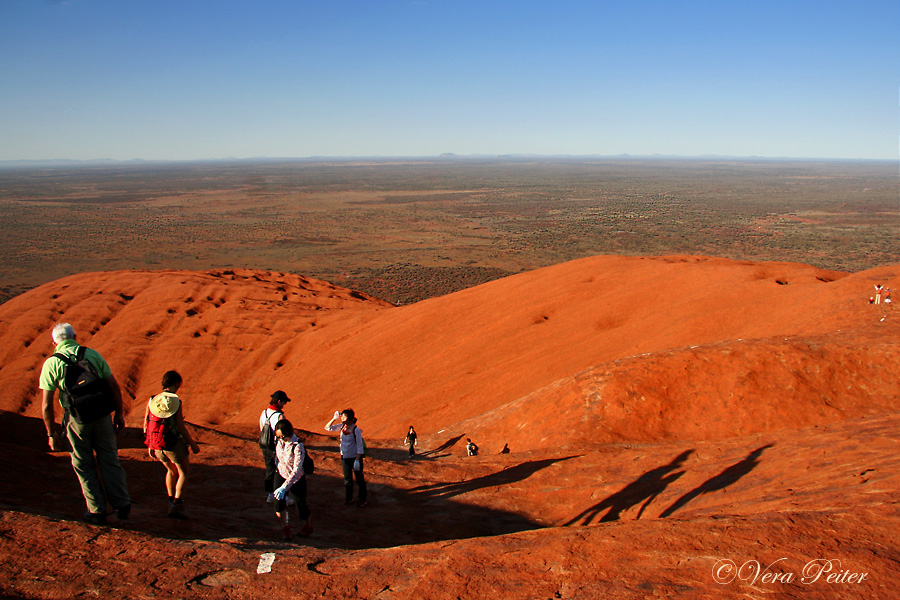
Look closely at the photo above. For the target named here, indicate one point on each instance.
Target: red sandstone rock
(664, 415)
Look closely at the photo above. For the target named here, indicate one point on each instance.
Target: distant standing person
(410, 441)
(471, 448)
(878, 289)
(352, 451)
(91, 437)
(269, 419)
(167, 440)
(290, 478)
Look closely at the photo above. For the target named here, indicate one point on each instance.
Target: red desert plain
(677, 426)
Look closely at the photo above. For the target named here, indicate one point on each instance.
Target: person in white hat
(167, 440)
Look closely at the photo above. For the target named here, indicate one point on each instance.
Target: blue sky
(196, 79)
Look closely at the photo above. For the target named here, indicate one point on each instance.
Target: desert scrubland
(698, 398)
(404, 231)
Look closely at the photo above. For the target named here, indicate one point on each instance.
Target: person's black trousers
(347, 464)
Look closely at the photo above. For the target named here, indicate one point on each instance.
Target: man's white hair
(63, 331)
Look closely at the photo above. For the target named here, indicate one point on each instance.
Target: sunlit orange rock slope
(601, 349)
(663, 415)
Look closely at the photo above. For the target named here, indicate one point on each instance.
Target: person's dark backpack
(84, 394)
(309, 467)
(266, 434)
(161, 435)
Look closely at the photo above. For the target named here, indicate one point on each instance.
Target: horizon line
(74, 162)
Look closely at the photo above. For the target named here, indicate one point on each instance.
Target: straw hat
(164, 405)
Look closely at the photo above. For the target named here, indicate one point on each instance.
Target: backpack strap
(69, 362)
(357, 437)
(269, 418)
(63, 358)
(62, 384)
(79, 355)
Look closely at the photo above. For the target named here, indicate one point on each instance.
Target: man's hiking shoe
(176, 510)
(305, 530)
(124, 512)
(286, 532)
(95, 518)
(363, 503)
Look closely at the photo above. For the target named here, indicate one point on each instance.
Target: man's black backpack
(266, 435)
(84, 394)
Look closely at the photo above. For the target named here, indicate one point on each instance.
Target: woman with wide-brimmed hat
(167, 440)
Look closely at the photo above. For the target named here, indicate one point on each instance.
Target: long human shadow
(434, 453)
(644, 489)
(720, 481)
(503, 477)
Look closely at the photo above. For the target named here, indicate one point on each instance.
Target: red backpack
(161, 435)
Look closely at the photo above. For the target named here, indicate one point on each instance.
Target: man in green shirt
(102, 479)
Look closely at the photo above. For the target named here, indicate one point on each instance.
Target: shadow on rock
(720, 481)
(504, 477)
(437, 452)
(225, 499)
(644, 489)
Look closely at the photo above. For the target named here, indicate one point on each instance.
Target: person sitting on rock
(471, 448)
